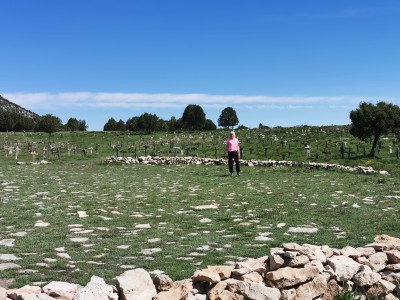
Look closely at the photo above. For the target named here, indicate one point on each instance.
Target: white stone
(41, 223)
(8, 257)
(366, 277)
(60, 287)
(143, 226)
(258, 291)
(82, 214)
(263, 238)
(344, 267)
(79, 239)
(302, 230)
(96, 289)
(8, 266)
(205, 220)
(150, 251)
(202, 207)
(63, 255)
(136, 285)
(123, 247)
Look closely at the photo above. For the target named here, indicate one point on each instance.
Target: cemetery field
(77, 216)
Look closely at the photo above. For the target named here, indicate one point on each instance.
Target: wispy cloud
(144, 100)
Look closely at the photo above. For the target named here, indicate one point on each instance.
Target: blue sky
(279, 63)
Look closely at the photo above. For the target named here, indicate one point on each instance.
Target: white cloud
(144, 100)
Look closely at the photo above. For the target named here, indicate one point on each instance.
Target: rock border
(290, 272)
(159, 160)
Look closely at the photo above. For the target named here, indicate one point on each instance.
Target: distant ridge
(8, 106)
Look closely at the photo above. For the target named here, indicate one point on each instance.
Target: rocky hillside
(6, 105)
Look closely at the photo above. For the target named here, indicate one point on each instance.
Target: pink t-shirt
(233, 144)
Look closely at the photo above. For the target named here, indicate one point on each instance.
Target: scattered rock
(291, 272)
(162, 282)
(136, 285)
(8, 266)
(202, 207)
(96, 289)
(41, 223)
(302, 230)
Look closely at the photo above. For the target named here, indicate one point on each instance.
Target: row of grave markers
(155, 147)
(16, 151)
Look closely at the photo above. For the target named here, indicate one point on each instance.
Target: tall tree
(121, 126)
(25, 123)
(49, 123)
(228, 118)
(82, 126)
(174, 124)
(209, 125)
(72, 124)
(111, 125)
(372, 121)
(147, 122)
(9, 120)
(193, 117)
(132, 124)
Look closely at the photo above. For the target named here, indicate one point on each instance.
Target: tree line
(193, 118)
(12, 121)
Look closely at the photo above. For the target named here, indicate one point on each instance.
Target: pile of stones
(291, 271)
(158, 160)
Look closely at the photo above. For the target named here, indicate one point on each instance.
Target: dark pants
(233, 156)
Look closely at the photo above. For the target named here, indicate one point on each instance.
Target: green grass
(117, 198)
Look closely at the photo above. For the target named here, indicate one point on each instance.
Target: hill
(8, 106)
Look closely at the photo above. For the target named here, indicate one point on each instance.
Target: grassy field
(77, 216)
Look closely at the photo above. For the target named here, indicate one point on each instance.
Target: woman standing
(233, 152)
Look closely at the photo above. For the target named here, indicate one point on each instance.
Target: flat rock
(202, 207)
(287, 276)
(60, 287)
(96, 289)
(393, 267)
(6, 283)
(224, 272)
(79, 239)
(136, 285)
(302, 230)
(350, 251)
(179, 290)
(8, 266)
(150, 251)
(7, 242)
(393, 256)
(258, 291)
(206, 275)
(313, 288)
(8, 257)
(366, 277)
(143, 226)
(41, 223)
